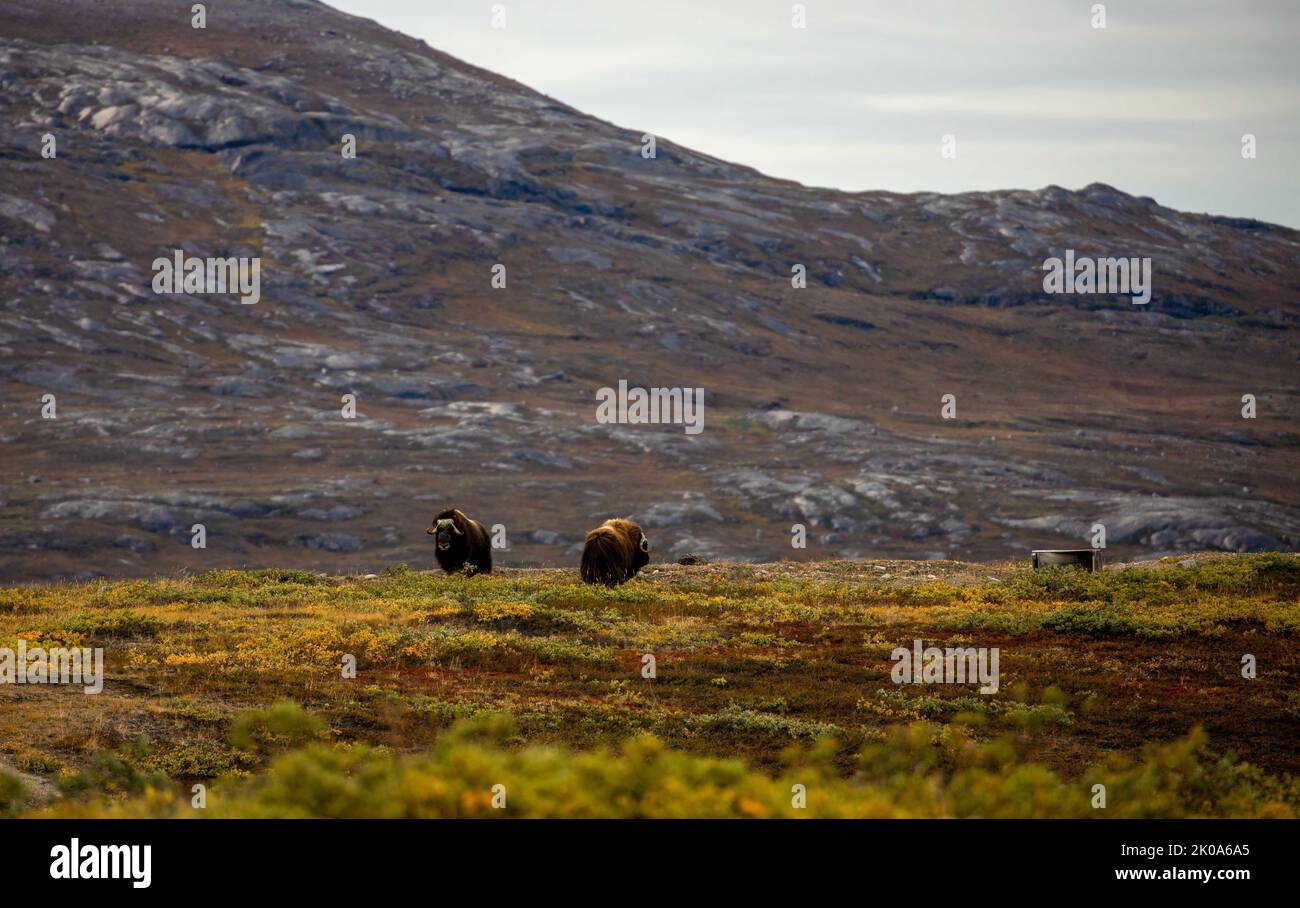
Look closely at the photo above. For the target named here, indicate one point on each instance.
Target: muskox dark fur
(614, 552)
(462, 544)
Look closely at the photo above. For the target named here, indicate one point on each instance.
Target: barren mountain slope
(822, 404)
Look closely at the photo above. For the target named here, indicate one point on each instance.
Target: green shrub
(12, 794)
(119, 624)
(735, 718)
(229, 579)
(114, 774)
(281, 726)
(205, 760)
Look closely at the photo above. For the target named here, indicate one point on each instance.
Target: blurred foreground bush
(918, 770)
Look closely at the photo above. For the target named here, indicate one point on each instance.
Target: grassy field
(767, 677)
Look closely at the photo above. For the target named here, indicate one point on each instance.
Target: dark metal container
(1088, 559)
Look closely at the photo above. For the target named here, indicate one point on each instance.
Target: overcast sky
(1155, 103)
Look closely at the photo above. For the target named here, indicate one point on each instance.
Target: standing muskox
(461, 542)
(614, 552)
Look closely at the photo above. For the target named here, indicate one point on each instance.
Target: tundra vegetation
(766, 677)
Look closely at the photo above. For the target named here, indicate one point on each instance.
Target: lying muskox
(614, 552)
(461, 542)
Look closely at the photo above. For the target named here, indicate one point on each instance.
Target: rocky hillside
(822, 403)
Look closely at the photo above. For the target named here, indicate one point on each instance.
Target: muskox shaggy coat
(614, 552)
(461, 543)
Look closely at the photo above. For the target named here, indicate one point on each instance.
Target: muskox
(614, 552)
(462, 543)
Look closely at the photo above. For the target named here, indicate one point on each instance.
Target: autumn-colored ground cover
(766, 676)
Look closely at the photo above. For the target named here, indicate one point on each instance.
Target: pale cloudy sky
(1155, 103)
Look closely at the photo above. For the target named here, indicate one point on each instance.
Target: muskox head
(446, 533)
(642, 556)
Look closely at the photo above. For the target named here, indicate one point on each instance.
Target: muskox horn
(645, 545)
